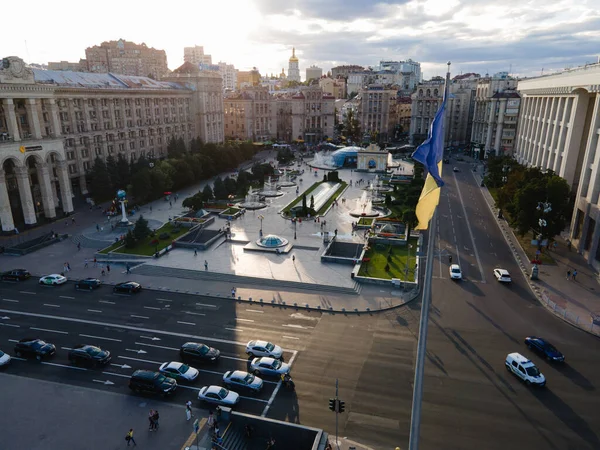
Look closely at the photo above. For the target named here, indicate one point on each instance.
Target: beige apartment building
(195, 55)
(312, 115)
(335, 87)
(374, 111)
(54, 124)
(127, 58)
(250, 115)
(400, 111)
(559, 129)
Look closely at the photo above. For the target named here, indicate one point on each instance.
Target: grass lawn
(378, 260)
(231, 211)
(145, 247)
(298, 199)
(365, 221)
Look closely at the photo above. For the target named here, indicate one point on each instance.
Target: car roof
(455, 266)
(267, 359)
(502, 271)
(213, 389)
(174, 365)
(148, 374)
(258, 343)
(238, 373)
(520, 359)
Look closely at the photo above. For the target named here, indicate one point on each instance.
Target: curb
(535, 290)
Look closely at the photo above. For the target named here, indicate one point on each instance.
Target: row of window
(105, 102)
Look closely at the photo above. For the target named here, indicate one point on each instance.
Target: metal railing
(576, 320)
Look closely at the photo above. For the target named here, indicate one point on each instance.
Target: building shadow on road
(493, 323)
(566, 414)
(471, 288)
(576, 377)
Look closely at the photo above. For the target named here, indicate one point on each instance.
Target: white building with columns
(54, 124)
(559, 130)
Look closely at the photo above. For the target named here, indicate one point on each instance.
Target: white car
(4, 359)
(502, 275)
(455, 272)
(269, 366)
(239, 378)
(218, 395)
(53, 280)
(524, 369)
(179, 371)
(264, 348)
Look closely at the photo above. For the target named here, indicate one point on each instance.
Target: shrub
(164, 236)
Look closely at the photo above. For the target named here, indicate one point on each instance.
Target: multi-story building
(312, 115)
(425, 102)
(247, 78)
(196, 56)
(496, 114)
(53, 124)
(127, 58)
(283, 110)
(250, 114)
(229, 75)
(80, 66)
(374, 111)
(344, 71)
(313, 73)
(336, 87)
(358, 80)
(293, 67)
(399, 120)
(559, 129)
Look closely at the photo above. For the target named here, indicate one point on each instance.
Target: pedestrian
(129, 438)
(151, 420)
(233, 292)
(574, 275)
(107, 268)
(450, 259)
(293, 258)
(205, 265)
(155, 418)
(73, 220)
(211, 420)
(128, 268)
(86, 263)
(270, 443)
(78, 246)
(568, 274)
(216, 430)
(195, 252)
(97, 228)
(554, 245)
(188, 410)
(68, 266)
(569, 244)
(170, 204)
(95, 262)
(103, 272)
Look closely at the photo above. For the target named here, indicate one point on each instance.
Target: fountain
(377, 188)
(286, 182)
(270, 189)
(252, 201)
(364, 207)
(323, 160)
(272, 241)
(122, 198)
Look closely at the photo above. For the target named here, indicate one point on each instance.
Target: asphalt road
(470, 401)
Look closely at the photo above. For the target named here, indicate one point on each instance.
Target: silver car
(269, 366)
(239, 378)
(218, 395)
(264, 348)
(5, 359)
(179, 371)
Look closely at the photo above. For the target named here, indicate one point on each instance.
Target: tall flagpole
(415, 420)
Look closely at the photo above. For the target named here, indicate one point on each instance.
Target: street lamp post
(545, 208)
(261, 218)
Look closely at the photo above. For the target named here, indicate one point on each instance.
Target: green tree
(123, 175)
(111, 167)
(409, 216)
(352, 126)
(99, 181)
(130, 241)
(207, 193)
(312, 202)
(304, 208)
(194, 202)
(141, 230)
(219, 190)
(141, 185)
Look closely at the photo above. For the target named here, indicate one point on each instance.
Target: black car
(544, 348)
(149, 382)
(89, 355)
(16, 274)
(88, 283)
(30, 347)
(195, 352)
(129, 286)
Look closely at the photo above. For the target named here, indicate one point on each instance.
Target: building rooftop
(87, 80)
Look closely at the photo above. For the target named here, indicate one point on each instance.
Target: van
(524, 369)
(150, 382)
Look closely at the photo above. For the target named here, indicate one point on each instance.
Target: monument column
(54, 119)
(24, 184)
(11, 119)
(33, 117)
(6, 216)
(66, 194)
(46, 190)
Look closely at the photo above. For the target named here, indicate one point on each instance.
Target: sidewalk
(575, 301)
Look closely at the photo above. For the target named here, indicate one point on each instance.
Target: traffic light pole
(337, 413)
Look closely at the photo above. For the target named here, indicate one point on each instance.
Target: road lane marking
(157, 346)
(121, 366)
(51, 305)
(107, 302)
(290, 337)
(152, 338)
(139, 317)
(13, 340)
(105, 382)
(63, 365)
(10, 300)
(49, 331)
(140, 360)
(67, 348)
(244, 320)
(66, 296)
(100, 337)
(193, 313)
(292, 325)
(164, 300)
(235, 329)
(186, 323)
(9, 325)
(255, 311)
(126, 327)
(276, 390)
(208, 306)
(139, 351)
(117, 374)
(28, 292)
(152, 307)
(94, 310)
(235, 358)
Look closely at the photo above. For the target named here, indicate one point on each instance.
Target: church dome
(293, 57)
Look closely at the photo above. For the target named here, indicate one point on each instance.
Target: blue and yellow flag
(430, 154)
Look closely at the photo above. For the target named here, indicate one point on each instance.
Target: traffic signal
(332, 404)
(341, 406)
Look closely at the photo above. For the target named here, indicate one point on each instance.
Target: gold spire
(293, 57)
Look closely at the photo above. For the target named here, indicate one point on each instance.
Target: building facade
(336, 87)
(344, 71)
(80, 66)
(496, 114)
(127, 58)
(313, 73)
(374, 112)
(293, 67)
(559, 130)
(426, 100)
(250, 115)
(229, 76)
(195, 55)
(53, 125)
(312, 115)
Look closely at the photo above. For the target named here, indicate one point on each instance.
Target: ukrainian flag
(430, 154)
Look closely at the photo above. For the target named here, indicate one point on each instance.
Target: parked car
(242, 379)
(53, 280)
(150, 382)
(269, 366)
(544, 348)
(16, 274)
(4, 359)
(264, 348)
(88, 283)
(455, 272)
(218, 395)
(524, 369)
(179, 371)
(455, 169)
(89, 355)
(197, 352)
(502, 275)
(129, 286)
(31, 347)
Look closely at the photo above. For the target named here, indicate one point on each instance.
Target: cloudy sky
(484, 36)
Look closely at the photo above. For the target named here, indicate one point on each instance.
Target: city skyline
(477, 36)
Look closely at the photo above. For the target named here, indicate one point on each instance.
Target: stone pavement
(575, 301)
